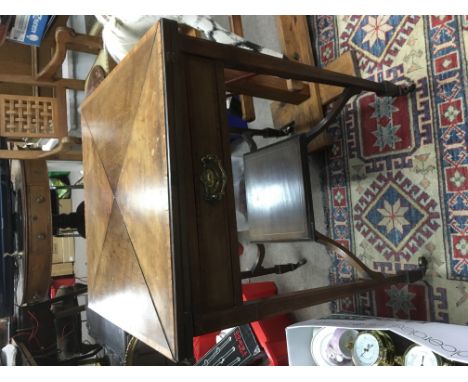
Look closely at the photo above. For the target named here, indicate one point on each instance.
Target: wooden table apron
(31, 183)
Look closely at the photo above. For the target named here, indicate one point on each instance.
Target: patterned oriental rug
(397, 176)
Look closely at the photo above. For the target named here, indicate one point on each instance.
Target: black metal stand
(259, 270)
(248, 134)
(74, 220)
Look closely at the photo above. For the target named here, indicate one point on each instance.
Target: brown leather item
(5, 25)
(95, 77)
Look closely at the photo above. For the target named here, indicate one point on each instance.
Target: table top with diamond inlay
(126, 195)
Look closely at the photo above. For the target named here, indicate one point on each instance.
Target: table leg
(288, 302)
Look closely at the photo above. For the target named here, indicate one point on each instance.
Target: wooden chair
(36, 116)
(295, 40)
(295, 103)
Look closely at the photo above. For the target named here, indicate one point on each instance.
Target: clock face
(320, 347)
(420, 356)
(366, 351)
(346, 342)
(327, 346)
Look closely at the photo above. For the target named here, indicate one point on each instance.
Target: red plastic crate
(59, 282)
(270, 332)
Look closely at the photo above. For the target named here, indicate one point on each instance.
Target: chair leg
(66, 38)
(338, 105)
(259, 270)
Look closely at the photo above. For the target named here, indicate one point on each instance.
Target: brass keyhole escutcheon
(210, 178)
(213, 177)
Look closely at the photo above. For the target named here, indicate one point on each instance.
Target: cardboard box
(65, 206)
(62, 269)
(29, 29)
(447, 340)
(63, 250)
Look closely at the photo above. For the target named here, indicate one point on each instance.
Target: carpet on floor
(396, 183)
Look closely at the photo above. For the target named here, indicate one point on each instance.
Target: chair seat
(279, 200)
